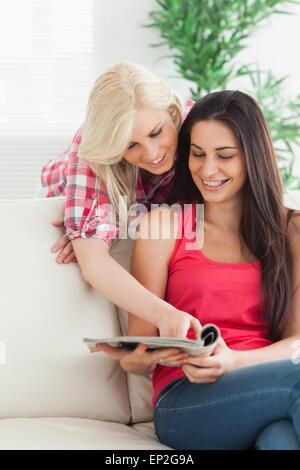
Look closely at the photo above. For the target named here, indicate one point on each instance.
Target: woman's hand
(67, 254)
(140, 361)
(208, 369)
(177, 323)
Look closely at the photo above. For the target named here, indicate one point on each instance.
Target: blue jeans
(251, 407)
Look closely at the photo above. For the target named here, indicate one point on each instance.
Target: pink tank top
(226, 294)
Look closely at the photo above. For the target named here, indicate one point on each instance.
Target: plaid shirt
(86, 196)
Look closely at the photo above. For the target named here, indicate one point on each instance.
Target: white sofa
(55, 394)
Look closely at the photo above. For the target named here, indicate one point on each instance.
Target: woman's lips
(161, 162)
(215, 188)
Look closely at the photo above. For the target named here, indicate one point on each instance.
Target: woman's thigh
(230, 413)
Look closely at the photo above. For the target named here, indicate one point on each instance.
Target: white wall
(120, 36)
(276, 46)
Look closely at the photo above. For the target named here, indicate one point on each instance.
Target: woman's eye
(198, 154)
(131, 146)
(156, 133)
(151, 135)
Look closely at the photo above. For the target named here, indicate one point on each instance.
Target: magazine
(204, 345)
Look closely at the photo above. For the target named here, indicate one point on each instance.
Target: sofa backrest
(45, 311)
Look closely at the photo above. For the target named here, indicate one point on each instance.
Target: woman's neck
(226, 215)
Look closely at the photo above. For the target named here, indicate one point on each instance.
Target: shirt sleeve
(53, 176)
(88, 212)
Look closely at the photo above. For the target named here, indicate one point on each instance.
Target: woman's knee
(280, 435)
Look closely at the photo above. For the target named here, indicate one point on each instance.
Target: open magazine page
(208, 338)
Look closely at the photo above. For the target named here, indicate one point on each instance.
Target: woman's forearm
(107, 276)
(283, 349)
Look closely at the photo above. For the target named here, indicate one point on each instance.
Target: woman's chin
(160, 170)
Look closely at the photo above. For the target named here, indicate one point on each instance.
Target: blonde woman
(123, 154)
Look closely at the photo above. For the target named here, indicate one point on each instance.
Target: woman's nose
(151, 150)
(208, 168)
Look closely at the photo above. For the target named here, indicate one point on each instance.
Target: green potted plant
(205, 38)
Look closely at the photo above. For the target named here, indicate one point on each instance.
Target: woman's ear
(172, 111)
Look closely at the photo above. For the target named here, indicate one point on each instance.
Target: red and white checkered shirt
(70, 176)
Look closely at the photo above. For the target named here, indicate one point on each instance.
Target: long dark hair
(263, 224)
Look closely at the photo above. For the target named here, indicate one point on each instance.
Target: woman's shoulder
(293, 219)
(157, 234)
(293, 231)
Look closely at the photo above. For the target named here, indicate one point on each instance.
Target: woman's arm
(225, 359)
(143, 295)
(90, 230)
(149, 265)
(142, 361)
(150, 261)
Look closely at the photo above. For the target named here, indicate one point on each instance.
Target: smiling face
(216, 161)
(153, 142)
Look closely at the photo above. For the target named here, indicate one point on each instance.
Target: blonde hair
(113, 102)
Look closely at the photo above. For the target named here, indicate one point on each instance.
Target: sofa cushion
(74, 433)
(46, 310)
